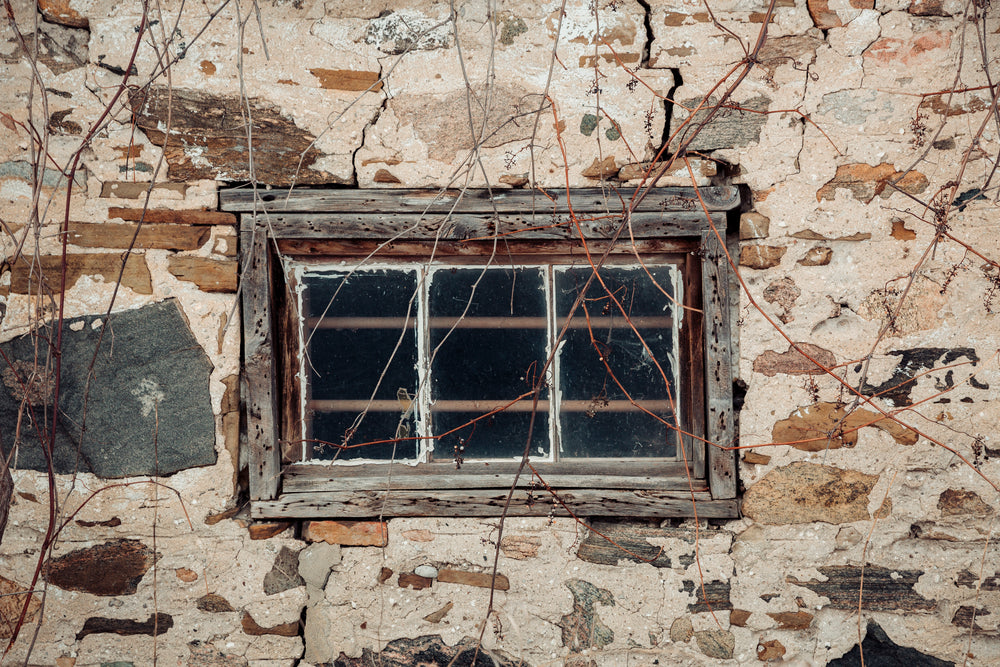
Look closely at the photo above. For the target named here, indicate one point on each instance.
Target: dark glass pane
(365, 342)
(596, 419)
(502, 435)
(494, 354)
(375, 427)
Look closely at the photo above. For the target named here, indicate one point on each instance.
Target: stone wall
(865, 137)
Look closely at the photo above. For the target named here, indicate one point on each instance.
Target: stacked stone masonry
(864, 135)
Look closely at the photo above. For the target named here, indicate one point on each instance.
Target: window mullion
(422, 411)
(553, 372)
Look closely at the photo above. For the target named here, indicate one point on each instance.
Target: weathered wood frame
(311, 223)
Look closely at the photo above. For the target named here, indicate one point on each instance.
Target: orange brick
(348, 533)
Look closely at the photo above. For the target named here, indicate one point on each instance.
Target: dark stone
(727, 128)
(913, 362)
(156, 624)
(582, 628)
(214, 604)
(430, 651)
(626, 542)
(281, 149)
(716, 591)
(146, 407)
(284, 575)
(967, 579)
(882, 651)
(112, 568)
(965, 617)
(885, 589)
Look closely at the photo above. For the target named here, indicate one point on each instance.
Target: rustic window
(403, 349)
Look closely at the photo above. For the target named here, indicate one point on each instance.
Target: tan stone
(347, 533)
(11, 604)
(865, 182)
(172, 216)
(480, 579)
(819, 256)
(419, 535)
(345, 79)
(24, 277)
(955, 502)
(794, 362)
(806, 492)
(823, 426)
(600, 169)
(520, 547)
(438, 616)
(761, 256)
(186, 575)
(210, 275)
(899, 231)
(111, 235)
(753, 458)
(681, 630)
(792, 620)
(131, 190)
(824, 17)
(754, 226)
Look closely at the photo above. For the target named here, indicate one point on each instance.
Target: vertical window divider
(422, 399)
(552, 349)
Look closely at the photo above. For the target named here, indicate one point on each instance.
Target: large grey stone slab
(144, 409)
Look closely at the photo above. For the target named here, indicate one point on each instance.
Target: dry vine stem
(542, 121)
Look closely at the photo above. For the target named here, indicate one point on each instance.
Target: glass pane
(362, 347)
(605, 362)
(488, 333)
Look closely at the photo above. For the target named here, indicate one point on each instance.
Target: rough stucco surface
(374, 94)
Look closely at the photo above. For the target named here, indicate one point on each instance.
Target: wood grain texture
(490, 502)
(718, 370)
(259, 370)
(664, 476)
(400, 226)
(523, 202)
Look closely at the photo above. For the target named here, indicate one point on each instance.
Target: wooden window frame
(350, 222)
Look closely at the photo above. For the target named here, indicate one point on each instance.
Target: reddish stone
(739, 617)
(770, 650)
(251, 627)
(792, 620)
(347, 533)
(480, 579)
(414, 581)
(267, 529)
(112, 568)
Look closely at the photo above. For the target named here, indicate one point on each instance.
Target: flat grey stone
(146, 409)
(728, 128)
(284, 575)
(315, 562)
